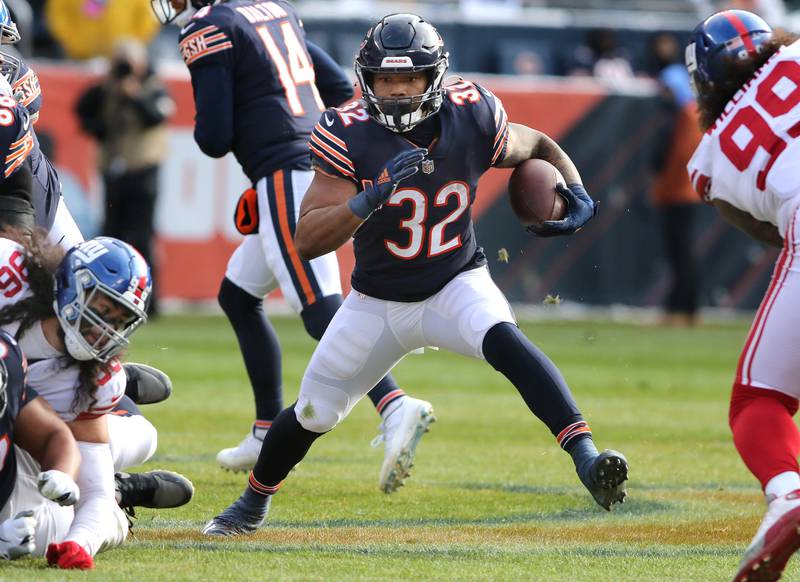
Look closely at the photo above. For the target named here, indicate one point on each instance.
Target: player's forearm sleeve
(98, 523)
(334, 86)
(213, 100)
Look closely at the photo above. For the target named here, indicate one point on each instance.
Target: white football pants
(771, 354)
(368, 336)
(64, 232)
(269, 259)
(52, 520)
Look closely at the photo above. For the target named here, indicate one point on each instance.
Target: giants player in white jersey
(747, 80)
(72, 341)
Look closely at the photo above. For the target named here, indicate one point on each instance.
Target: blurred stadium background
(505, 505)
(539, 56)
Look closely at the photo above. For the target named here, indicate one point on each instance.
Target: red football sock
(764, 432)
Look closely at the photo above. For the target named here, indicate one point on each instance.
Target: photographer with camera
(127, 112)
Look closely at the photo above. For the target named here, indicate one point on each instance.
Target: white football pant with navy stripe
(269, 259)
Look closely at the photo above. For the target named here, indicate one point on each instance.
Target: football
(532, 191)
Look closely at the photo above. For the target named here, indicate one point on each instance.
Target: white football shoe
(777, 538)
(242, 457)
(401, 432)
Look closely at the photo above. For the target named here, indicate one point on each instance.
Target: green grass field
(491, 497)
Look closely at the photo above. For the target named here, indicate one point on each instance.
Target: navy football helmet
(402, 43)
(166, 13)
(95, 280)
(8, 30)
(721, 38)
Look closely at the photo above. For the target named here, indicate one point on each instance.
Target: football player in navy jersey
(259, 88)
(32, 510)
(398, 172)
(37, 172)
(16, 177)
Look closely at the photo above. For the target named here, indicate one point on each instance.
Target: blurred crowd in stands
(83, 29)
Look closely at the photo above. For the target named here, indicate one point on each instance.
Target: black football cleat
(155, 489)
(605, 478)
(238, 519)
(146, 385)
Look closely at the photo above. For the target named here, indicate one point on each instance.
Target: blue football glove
(402, 166)
(580, 210)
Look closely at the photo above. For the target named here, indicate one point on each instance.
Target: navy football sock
(583, 453)
(316, 318)
(285, 445)
(319, 314)
(384, 393)
(259, 345)
(539, 382)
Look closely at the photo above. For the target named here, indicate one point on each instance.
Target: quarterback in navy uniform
(398, 172)
(34, 508)
(34, 172)
(259, 88)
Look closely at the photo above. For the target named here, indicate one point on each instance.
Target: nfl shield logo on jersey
(427, 166)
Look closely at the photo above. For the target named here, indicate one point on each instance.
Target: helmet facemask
(166, 13)
(9, 33)
(80, 317)
(9, 68)
(401, 114)
(8, 29)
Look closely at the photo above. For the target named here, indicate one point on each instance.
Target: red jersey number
(13, 275)
(748, 131)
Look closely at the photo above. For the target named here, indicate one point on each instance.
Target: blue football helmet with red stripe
(721, 38)
(8, 29)
(102, 289)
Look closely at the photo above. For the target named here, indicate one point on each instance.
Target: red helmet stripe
(141, 287)
(740, 27)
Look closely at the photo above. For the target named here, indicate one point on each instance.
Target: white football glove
(59, 487)
(17, 536)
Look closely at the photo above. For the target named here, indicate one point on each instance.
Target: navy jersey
(19, 145)
(423, 236)
(252, 76)
(16, 136)
(17, 395)
(24, 83)
(46, 189)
